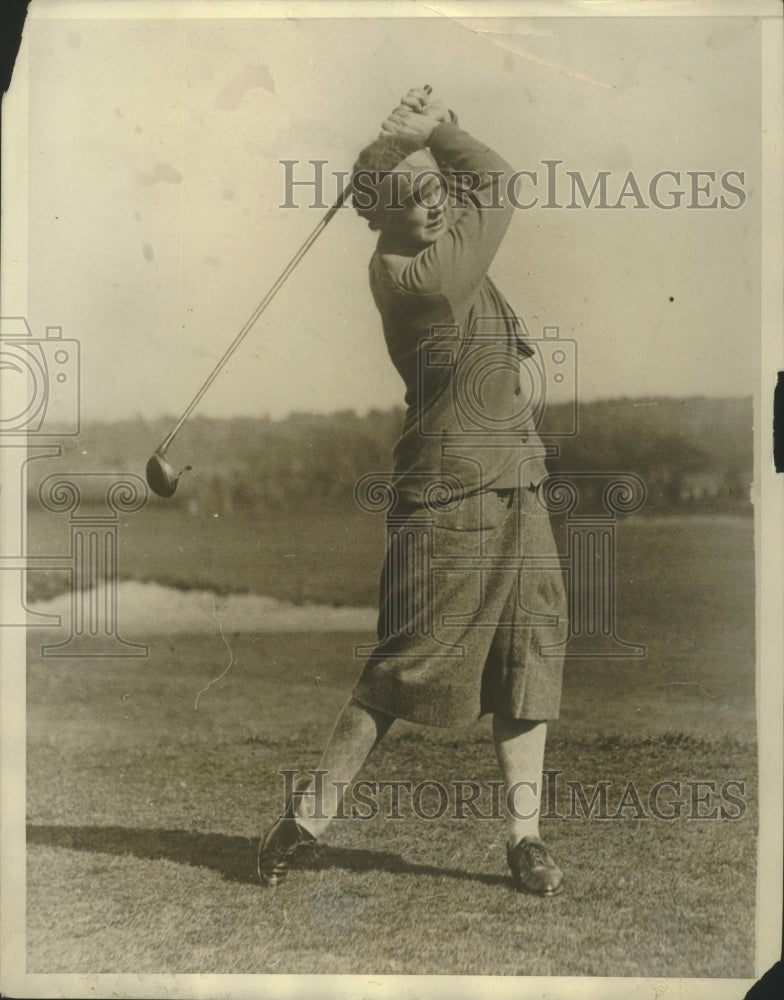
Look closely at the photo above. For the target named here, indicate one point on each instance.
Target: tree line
(693, 454)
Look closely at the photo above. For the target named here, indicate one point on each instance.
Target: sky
(155, 185)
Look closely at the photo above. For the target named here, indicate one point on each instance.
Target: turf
(329, 555)
(151, 870)
(144, 813)
(148, 786)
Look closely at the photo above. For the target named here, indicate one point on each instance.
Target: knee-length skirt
(472, 614)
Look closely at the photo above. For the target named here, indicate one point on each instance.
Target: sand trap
(151, 608)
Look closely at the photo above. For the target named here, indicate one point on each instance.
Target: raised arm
(456, 263)
(459, 260)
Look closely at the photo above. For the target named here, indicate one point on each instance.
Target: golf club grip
(253, 318)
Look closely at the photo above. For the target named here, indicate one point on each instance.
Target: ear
(383, 221)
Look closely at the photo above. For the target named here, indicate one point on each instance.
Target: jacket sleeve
(455, 265)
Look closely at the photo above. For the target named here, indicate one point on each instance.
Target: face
(423, 219)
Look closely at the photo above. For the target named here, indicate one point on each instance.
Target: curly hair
(383, 154)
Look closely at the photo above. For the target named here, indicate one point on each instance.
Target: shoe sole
(543, 893)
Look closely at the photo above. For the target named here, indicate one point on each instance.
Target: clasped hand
(416, 116)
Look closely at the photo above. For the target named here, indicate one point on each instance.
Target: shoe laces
(536, 854)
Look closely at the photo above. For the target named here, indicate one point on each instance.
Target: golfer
(464, 628)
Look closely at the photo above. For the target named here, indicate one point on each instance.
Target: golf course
(286, 287)
(150, 778)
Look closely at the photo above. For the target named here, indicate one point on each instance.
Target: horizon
(293, 414)
(171, 418)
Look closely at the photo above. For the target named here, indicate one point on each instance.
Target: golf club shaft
(250, 323)
(161, 449)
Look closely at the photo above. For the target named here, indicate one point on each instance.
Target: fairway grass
(150, 780)
(145, 809)
(152, 870)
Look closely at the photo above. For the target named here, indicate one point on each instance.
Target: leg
(357, 731)
(519, 747)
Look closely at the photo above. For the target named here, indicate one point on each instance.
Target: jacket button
(518, 390)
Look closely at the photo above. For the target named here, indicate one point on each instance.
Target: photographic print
(391, 535)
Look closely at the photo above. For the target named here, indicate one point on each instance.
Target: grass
(331, 557)
(145, 796)
(153, 830)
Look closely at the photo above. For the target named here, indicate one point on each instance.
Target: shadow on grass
(234, 858)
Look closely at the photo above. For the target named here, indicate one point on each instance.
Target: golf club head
(161, 477)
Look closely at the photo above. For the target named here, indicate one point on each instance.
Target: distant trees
(672, 444)
(693, 454)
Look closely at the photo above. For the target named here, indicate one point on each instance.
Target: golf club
(161, 477)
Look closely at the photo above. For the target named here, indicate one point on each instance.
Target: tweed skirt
(472, 614)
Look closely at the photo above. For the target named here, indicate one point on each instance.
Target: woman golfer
(467, 611)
